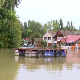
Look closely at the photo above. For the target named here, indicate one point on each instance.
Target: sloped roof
(26, 38)
(52, 33)
(38, 39)
(71, 38)
(35, 39)
(59, 32)
(67, 32)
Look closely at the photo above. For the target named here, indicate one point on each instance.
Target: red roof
(59, 33)
(71, 38)
(26, 38)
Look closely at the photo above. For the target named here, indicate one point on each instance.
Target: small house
(72, 41)
(49, 35)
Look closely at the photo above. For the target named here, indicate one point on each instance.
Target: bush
(1, 44)
(54, 46)
(44, 43)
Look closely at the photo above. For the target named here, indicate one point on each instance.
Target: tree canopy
(12, 30)
(10, 33)
(34, 29)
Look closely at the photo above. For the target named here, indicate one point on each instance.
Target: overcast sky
(46, 10)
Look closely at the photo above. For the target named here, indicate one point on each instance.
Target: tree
(28, 22)
(55, 25)
(49, 25)
(24, 30)
(10, 33)
(29, 33)
(35, 35)
(11, 4)
(68, 25)
(36, 28)
(2, 2)
(71, 26)
(61, 23)
(25, 25)
(44, 29)
(52, 25)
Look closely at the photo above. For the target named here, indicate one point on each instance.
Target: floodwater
(22, 68)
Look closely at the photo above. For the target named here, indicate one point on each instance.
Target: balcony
(55, 41)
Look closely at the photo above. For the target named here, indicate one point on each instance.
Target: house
(49, 37)
(55, 37)
(72, 41)
(68, 35)
(37, 42)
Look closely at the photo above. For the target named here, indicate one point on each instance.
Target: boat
(40, 52)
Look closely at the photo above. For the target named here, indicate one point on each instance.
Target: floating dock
(35, 52)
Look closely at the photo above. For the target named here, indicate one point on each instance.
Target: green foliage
(10, 33)
(44, 43)
(24, 30)
(22, 42)
(2, 2)
(33, 30)
(35, 35)
(56, 25)
(49, 25)
(54, 46)
(29, 33)
(1, 44)
(11, 4)
(62, 43)
(61, 23)
(36, 28)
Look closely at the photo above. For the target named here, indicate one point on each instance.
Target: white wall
(48, 35)
(66, 47)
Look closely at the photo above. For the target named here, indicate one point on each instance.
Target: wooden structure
(37, 52)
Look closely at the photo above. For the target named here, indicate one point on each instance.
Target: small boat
(35, 52)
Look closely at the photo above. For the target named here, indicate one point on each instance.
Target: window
(45, 38)
(70, 44)
(49, 38)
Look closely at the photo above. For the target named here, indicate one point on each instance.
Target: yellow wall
(73, 47)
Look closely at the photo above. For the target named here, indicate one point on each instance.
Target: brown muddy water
(21, 68)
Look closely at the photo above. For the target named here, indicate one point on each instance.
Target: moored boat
(34, 52)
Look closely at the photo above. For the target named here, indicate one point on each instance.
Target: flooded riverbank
(23, 68)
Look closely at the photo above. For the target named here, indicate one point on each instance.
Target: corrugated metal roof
(71, 38)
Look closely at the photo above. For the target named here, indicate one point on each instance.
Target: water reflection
(8, 66)
(36, 63)
(65, 68)
(73, 56)
(23, 68)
